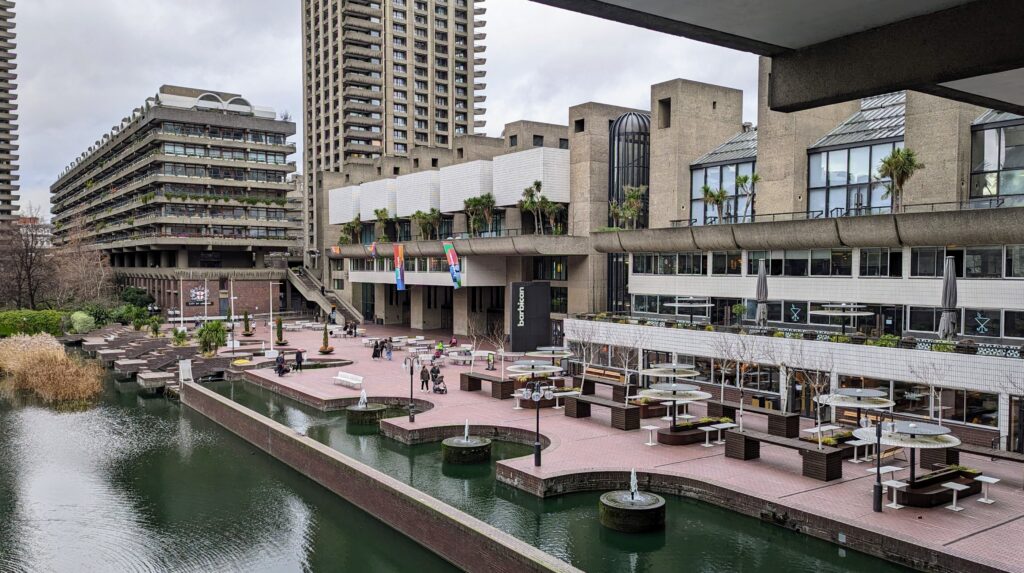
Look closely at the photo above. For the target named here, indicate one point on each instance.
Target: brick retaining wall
(426, 435)
(459, 538)
(903, 551)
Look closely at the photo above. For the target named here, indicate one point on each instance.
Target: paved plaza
(986, 534)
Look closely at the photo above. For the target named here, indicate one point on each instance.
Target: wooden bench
(501, 388)
(613, 378)
(348, 380)
(782, 424)
(825, 464)
(623, 417)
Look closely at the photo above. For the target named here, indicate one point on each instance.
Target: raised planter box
(692, 435)
(652, 410)
(927, 491)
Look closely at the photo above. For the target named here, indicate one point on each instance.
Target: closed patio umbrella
(948, 321)
(762, 294)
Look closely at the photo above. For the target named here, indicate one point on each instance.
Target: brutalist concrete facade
(8, 107)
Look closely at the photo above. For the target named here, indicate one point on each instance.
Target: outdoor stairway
(309, 287)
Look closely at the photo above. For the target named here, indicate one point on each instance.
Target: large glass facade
(738, 206)
(629, 165)
(845, 182)
(997, 166)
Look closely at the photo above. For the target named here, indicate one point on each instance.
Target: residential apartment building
(800, 191)
(8, 107)
(384, 78)
(187, 196)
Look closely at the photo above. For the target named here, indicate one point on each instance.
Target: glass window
(559, 299)
(816, 203)
(1015, 261)
(859, 165)
(1013, 147)
(842, 262)
(691, 264)
(922, 319)
(878, 153)
(981, 322)
(816, 170)
(550, 268)
(796, 263)
(926, 261)
(1011, 182)
(837, 167)
(983, 262)
(727, 263)
(794, 312)
(697, 184)
(666, 264)
(874, 262)
(821, 262)
(911, 398)
(981, 408)
(985, 150)
(1013, 323)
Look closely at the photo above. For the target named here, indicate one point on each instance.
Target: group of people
(281, 366)
(384, 348)
(350, 329)
(432, 376)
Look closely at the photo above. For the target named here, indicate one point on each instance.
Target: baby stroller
(439, 386)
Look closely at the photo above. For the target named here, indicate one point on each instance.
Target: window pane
(985, 150)
(1013, 147)
(697, 212)
(911, 398)
(816, 203)
(1014, 323)
(923, 261)
(842, 262)
(983, 262)
(821, 262)
(795, 312)
(879, 200)
(719, 263)
(1015, 261)
(922, 319)
(982, 409)
(696, 183)
(984, 185)
(981, 322)
(714, 180)
(796, 263)
(859, 164)
(816, 170)
(837, 167)
(729, 179)
(952, 404)
(1011, 182)
(878, 153)
(836, 202)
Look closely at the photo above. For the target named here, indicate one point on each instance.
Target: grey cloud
(83, 65)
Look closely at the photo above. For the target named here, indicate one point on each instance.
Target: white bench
(348, 380)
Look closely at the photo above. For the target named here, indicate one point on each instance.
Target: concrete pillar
(259, 259)
(422, 317)
(460, 223)
(1004, 421)
(182, 258)
(460, 312)
(514, 220)
(384, 310)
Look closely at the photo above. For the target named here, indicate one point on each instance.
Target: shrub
(82, 322)
(38, 365)
(99, 313)
(128, 314)
(709, 328)
(779, 334)
(136, 296)
(154, 326)
(30, 322)
(326, 347)
(211, 337)
(179, 338)
(138, 323)
(943, 346)
(279, 330)
(247, 323)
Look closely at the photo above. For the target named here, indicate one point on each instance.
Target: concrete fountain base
(459, 450)
(645, 511)
(368, 414)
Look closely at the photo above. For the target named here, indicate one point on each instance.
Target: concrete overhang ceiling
(831, 51)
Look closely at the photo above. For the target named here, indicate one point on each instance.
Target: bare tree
(630, 353)
(813, 368)
(584, 345)
(81, 274)
(926, 371)
(25, 258)
(495, 337)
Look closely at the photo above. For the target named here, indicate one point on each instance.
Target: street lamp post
(532, 391)
(231, 320)
(877, 491)
(410, 365)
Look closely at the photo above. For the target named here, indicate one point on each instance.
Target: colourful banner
(335, 250)
(373, 249)
(400, 267)
(453, 264)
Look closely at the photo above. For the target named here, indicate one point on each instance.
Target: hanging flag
(335, 250)
(453, 264)
(400, 267)
(373, 250)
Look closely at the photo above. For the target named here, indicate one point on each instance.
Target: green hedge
(30, 322)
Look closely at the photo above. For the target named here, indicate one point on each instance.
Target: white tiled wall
(377, 195)
(514, 172)
(343, 204)
(463, 181)
(419, 191)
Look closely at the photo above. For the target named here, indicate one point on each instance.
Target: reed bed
(39, 366)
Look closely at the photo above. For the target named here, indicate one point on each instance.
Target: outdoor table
(720, 427)
(891, 470)
(516, 396)
(558, 395)
(896, 485)
(650, 435)
(957, 488)
(707, 436)
(818, 429)
(987, 481)
(856, 445)
(669, 405)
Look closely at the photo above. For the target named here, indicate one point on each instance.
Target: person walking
(299, 359)
(424, 379)
(435, 372)
(388, 349)
(376, 350)
(279, 364)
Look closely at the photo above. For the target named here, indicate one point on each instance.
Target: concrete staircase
(309, 287)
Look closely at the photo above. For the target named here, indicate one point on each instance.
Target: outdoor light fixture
(411, 364)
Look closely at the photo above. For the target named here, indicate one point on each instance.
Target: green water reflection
(141, 485)
(699, 537)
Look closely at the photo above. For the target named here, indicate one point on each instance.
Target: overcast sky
(83, 65)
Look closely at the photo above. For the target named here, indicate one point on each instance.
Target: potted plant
(246, 324)
(326, 347)
(279, 332)
(738, 311)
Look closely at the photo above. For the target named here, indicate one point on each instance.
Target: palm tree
(434, 218)
(899, 167)
(633, 203)
(745, 185)
(383, 218)
(423, 223)
(487, 209)
(531, 202)
(552, 210)
(474, 215)
(716, 198)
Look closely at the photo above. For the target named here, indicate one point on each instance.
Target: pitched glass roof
(880, 117)
(994, 116)
(742, 146)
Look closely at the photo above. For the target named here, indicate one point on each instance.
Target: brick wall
(252, 295)
(465, 541)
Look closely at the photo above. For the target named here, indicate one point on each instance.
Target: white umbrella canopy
(948, 322)
(915, 436)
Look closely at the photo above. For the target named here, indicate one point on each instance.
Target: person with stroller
(439, 385)
(425, 379)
